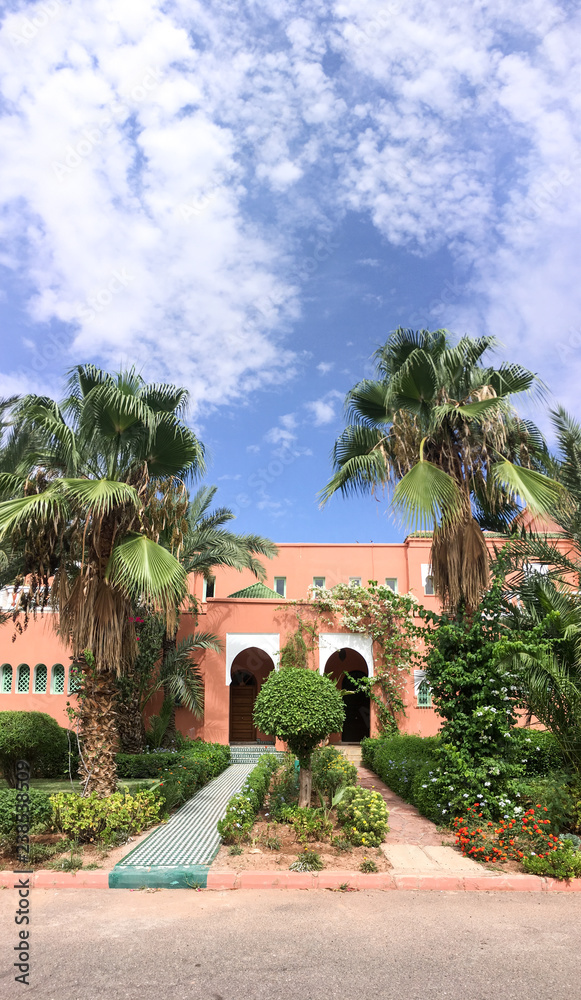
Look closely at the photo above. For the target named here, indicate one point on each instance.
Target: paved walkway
(180, 852)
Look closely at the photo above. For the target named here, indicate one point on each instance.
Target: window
(427, 579)
(391, 582)
(318, 581)
(422, 689)
(280, 585)
(23, 679)
(354, 581)
(424, 695)
(209, 588)
(536, 567)
(6, 679)
(57, 685)
(40, 678)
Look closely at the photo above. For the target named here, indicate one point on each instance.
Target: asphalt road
(293, 945)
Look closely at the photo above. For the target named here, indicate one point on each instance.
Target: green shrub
(363, 815)
(142, 765)
(243, 807)
(553, 792)
(215, 756)
(397, 760)
(311, 824)
(39, 810)
(537, 751)
(301, 707)
(91, 818)
(564, 863)
(369, 747)
(331, 771)
(284, 788)
(368, 867)
(34, 737)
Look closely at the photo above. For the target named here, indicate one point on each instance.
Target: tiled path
(181, 851)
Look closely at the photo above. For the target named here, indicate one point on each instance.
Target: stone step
(352, 753)
(241, 753)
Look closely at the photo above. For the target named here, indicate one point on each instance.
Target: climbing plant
(390, 620)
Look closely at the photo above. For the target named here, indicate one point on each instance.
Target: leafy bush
(553, 793)
(397, 760)
(564, 863)
(284, 788)
(368, 867)
(311, 824)
(537, 751)
(363, 815)
(35, 737)
(331, 770)
(91, 818)
(142, 765)
(301, 707)
(39, 810)
(243, 807)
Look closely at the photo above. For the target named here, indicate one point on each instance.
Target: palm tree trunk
(130, 724)
(99, 735)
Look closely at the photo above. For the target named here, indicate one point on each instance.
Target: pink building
(252, 623)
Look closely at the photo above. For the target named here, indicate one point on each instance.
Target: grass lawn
(52, 785)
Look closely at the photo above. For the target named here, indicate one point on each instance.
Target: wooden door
(242, 729)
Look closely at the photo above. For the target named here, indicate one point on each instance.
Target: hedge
(215, 757)
(242, 808)
(35, 737)
(38, 811)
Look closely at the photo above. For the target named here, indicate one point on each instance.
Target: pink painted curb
(382, 881)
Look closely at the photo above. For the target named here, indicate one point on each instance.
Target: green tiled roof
(257, 590)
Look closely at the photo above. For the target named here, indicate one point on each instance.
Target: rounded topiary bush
(300, 707)
(34, 737)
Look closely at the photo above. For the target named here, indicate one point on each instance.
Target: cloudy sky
(246, 198)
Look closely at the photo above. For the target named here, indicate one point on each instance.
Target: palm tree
(438, 430)
(81, 509)
(544, 650)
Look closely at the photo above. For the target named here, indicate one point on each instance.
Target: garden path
(406, 825)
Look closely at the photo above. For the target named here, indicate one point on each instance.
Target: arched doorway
(249, 670)
(347, 667)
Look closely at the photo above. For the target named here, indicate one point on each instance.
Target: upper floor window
(57, 684)
(391, 582)
(280, 585)
(536, 567)
(318, 581)
(427, 580)
(40, 678)
(6, 679)
(354, 581)
(209, 588)
(23, 679)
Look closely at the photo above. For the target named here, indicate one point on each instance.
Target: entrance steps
(250, 753)
(352, 751)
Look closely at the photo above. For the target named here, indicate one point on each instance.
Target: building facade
(252, 622)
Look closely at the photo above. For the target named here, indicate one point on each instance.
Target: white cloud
(324, 410)
(324, 367)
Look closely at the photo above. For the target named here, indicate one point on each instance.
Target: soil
(257, 856)
(91, 854)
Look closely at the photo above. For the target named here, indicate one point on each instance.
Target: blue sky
(247, 198)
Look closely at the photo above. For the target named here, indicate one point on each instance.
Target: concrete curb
(388, 881)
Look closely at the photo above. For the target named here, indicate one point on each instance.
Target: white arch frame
(237, 642)
(332, 642)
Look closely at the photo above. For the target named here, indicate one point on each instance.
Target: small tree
(301, 708)
(29, 736)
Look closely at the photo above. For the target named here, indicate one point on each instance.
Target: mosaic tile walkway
(180, 852)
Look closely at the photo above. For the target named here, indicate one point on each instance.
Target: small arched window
(6, 678)
(57, 684)
(424, 695)
(40, 678)
(23, 679)
(75, 678)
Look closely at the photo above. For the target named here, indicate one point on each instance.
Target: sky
(246, 198)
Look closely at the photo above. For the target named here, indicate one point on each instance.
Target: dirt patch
(257, 856)
(91, 854)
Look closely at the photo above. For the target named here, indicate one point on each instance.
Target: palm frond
(426, 495)
(98, 496)
(143, 569)
(18, 513)
(532, 488)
